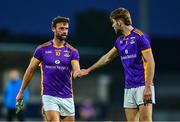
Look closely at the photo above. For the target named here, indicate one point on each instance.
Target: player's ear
(53, 29)
(117, 21)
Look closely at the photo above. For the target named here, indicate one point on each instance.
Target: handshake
(80, 73)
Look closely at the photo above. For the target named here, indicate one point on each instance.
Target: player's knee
(145, 117)
(51, 119)
(132, 119)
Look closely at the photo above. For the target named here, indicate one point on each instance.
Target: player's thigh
(67, 108)
(52, 116)
(145, 112)
(50, 108)
(129, 100)
(68, 119)
(132, 114)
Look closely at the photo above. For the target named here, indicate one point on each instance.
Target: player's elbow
(151, 63)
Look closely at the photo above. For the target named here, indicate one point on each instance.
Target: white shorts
(65, 106)
(133, 97)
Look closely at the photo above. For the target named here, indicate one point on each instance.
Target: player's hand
(19, 97)
(83, 72)
(147, 96)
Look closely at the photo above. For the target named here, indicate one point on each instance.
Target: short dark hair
(123, 14)
(59, 19)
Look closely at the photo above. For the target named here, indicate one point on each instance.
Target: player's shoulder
(138, 32)
(70, 47)
(48, 43)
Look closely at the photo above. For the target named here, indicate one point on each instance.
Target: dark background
(26, 24)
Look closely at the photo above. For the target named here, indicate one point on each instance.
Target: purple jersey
(130, 49)
(56, 76)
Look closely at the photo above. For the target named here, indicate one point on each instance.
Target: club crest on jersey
(57, 61)
(58, 52)
(66, 53)
(132, 40)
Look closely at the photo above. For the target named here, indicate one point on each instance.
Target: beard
(118, 32)
(61, 37)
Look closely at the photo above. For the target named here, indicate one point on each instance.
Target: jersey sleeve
(144, 43)
(75, 55)
(115, 44)
(38, 54)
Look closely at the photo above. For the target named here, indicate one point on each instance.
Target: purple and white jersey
(130, 49)
(56, 76)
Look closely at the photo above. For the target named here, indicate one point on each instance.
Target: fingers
(19, 97)
(147, 96)
(17, 101)
(147, 99)
(75, 74)
(82, 73)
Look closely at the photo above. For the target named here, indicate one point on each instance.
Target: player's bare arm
(148, 58)
(75, 68)
(108, 57)
(27, 77)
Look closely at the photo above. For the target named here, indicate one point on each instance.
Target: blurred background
(26, 24)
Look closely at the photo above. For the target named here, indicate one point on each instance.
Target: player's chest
(127, 46)
(57, 57)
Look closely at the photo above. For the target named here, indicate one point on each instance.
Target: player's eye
(64, 28)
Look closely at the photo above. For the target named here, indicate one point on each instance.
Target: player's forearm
(150, 73)
(101, 62)
(27, 78)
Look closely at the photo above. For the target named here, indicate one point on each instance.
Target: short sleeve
(144, 43)
(115, 44)
(75, 55)
(38, 54)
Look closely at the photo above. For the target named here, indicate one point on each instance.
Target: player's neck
(127, 30)
(58, 43)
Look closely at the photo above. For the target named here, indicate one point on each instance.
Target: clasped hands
(80, 73)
